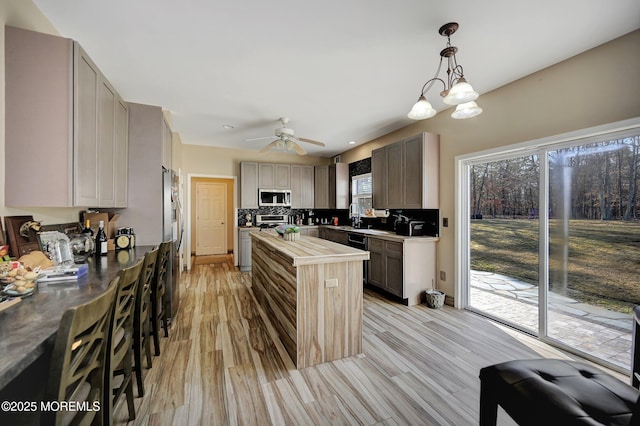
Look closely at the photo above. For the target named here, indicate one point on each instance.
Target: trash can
(435, 298)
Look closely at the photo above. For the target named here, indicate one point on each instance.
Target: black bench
(560, 392)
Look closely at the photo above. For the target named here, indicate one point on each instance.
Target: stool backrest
(122, 322)
(162, 264)
(78, 359)
(144, 284)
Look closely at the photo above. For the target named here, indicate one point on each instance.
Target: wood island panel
(316, 323)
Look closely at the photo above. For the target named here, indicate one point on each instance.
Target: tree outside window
(361, 192)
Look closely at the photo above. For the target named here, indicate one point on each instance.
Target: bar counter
(28, 329)
(311, 289)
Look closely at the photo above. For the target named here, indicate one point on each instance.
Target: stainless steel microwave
(274, 197)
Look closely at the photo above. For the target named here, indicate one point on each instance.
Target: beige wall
(597, 87)
(198, 159)
(24, 14)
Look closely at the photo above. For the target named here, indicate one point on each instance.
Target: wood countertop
(310, 250)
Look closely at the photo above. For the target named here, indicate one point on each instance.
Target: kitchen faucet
(354, 212)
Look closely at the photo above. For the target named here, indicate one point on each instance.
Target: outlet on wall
(443, 276)
(445, 222)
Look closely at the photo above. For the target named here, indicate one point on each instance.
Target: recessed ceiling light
(228, 126)
(352, 142)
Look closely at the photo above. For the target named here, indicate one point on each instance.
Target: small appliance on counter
(411, 228)
(125, 238)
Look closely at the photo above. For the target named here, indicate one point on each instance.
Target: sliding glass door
(553, 242)
(504, 240)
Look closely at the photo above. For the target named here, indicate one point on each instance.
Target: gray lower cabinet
(336, 236)
(244, 246)
(65, 119)
(311, 231)
(405, 269)
(385, 265)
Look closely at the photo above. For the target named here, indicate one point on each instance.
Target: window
(548, 238)
(361, 192)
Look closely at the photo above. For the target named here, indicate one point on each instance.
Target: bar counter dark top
(28, 329)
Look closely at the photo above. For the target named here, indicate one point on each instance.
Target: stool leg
(154, 331)
(164, 317)
(488, 405)
(147, 342)
(129, 388)
(137, 356)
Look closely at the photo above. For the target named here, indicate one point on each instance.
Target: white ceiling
(341, 70)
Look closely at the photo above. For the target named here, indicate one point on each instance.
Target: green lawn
(603, 258)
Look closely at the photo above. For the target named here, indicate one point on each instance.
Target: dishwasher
(359, 241)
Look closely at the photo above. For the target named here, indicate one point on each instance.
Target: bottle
(101, 240)
(87, 228)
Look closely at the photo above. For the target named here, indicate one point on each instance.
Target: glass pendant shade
(421, 110)
(466, 110)
(460, 93)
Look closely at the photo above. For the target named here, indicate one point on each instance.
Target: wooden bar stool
(141, 327)
(78, 360)
(120, 348)
(158, 295)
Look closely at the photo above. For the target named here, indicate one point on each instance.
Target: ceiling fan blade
(258, 139)
(298, 149)
(311, 141)
(268, 147)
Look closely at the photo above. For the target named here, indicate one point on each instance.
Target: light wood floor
(223, 364)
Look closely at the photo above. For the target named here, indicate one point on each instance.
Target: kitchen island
(311, 290)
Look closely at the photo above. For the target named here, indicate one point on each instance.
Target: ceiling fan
(285, 139)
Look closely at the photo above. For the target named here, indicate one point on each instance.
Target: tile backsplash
(316, 215)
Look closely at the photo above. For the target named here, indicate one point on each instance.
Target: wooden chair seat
(78, 360)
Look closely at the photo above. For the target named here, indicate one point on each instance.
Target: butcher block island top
(311, 289)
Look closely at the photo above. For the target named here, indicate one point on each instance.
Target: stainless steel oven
(360, 241)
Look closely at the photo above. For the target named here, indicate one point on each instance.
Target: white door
(211, 229)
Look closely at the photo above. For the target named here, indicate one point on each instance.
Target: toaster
(412, 228)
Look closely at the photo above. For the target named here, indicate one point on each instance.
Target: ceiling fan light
(466, 110)
(460, 93)
(421, 110)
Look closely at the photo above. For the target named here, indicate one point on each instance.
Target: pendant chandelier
(456, 89)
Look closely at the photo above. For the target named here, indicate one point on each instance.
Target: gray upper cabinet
(121, 166)
(406, 174)
(379, 177)
(274, 176)
(331, 190)
(146, 137)
(248, 185)
(302, 187)
(61, 133)
(167, 145)
(298, 178)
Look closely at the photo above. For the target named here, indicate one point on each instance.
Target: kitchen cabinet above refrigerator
(65, 126)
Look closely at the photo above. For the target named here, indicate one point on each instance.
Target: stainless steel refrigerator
(171, 230)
